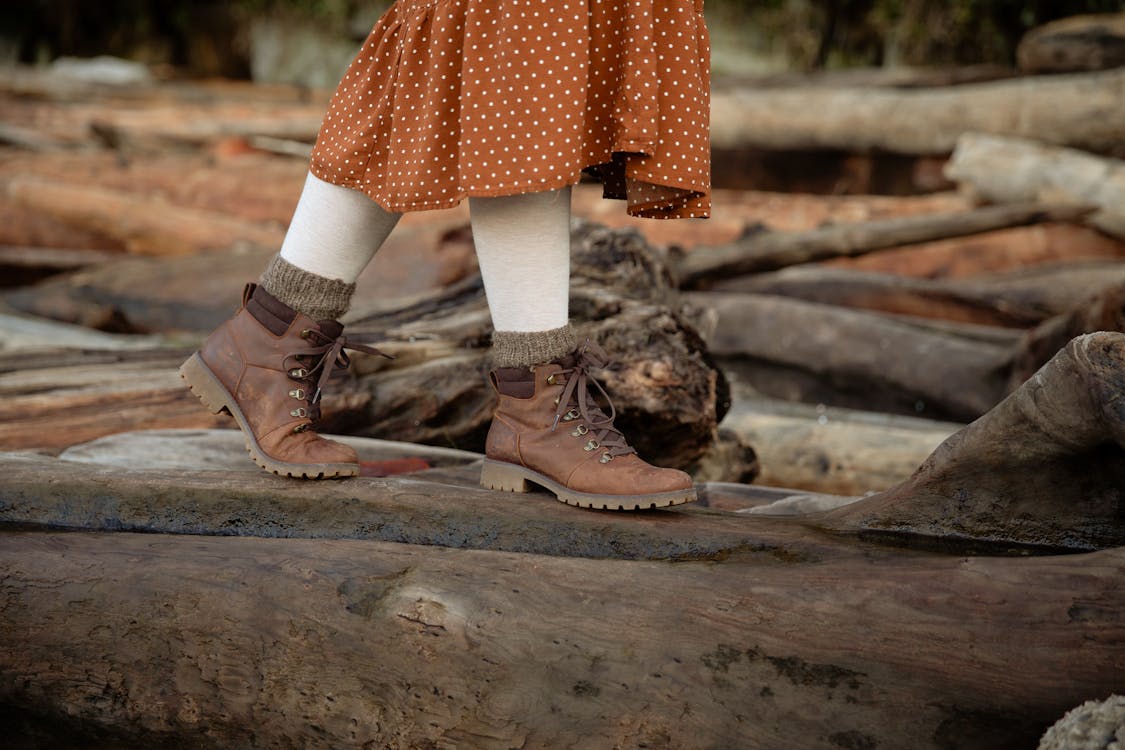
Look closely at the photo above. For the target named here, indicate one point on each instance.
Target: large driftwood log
(335, 644)
(758, 251)
(1061, 433)
(1084, 111)
(1013, 170)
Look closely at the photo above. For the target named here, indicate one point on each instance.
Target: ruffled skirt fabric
(456, 98)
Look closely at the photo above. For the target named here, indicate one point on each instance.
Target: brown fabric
(318, 297)
(551, 439)
(456, 98)
(524, 349)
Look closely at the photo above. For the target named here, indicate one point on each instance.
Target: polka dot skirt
(456, 98)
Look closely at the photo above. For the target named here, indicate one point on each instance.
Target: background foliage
(206, 36)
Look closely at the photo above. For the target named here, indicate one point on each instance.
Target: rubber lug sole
(506, 477)
(215, 396)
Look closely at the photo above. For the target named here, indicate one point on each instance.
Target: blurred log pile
(138, 211)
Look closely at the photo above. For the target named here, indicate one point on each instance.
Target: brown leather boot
(266, 367)
(547, 429)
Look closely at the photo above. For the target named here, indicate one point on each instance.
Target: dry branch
(759, 252)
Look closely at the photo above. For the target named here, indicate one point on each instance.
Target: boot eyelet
(553, 379)
(591, 446)
(580, 431)
(300, 428)
(558, 399)
(301, 412)
(298, 372)
(571, 415)
(606, 458)
(298, 394)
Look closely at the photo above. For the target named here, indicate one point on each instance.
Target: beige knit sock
(315, 296)
(521, 349)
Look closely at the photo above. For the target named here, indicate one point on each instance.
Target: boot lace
(576, 403)
(313, 367)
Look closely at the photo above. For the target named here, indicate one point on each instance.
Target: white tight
(522, 241)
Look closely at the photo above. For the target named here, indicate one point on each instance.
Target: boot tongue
(330, 328)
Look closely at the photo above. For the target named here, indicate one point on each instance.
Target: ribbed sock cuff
(316, 296)
(524, 349)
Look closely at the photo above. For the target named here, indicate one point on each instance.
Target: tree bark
(1013, 170)
(757, 252)
(803, 351)
(301, 643)
(1085, 110)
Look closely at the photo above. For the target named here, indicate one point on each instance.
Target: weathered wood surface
(1059, 438)
(757, 251)
(1078, 43)
(831, 450)
(803, 351)
(1082, 110)
(1019, 299)
(142, 224)
(1103, 310)
(325, 643)
(1014, 170)
(829, 638)
(992, 252)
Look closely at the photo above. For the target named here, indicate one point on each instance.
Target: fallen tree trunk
(301, 643)
(759, 252)
(802, 351)
(142, 224)
(1103, 311)
(829, 450)
(1012, 170)
(1084, 111)
(1062, 433)
(1019, 299)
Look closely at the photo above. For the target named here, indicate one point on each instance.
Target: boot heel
(495, 475)
(204, 385)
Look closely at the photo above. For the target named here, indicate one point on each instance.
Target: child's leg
(548, 428)
(523, 247)
(333, 236)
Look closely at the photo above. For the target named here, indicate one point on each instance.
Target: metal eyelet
(606, 458)
(551, 380)
(593, 445)
(558, 399)
(298, 393)
(571, 415)
(580, 430)
(306, 333)
(301, 412)
(298, 372)
(300, 428)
